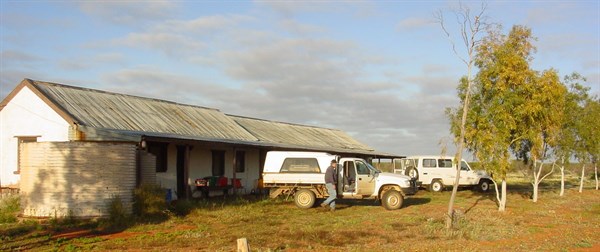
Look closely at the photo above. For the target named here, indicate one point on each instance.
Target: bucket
(168, 197)
(222, 181)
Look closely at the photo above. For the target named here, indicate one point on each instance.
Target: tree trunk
(502, 205)
(562, 180)
(536, 180)
(535, 191)
(596, 174)
(582, 176)
(450, 214)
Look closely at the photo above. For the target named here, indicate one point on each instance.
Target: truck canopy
(297, 162)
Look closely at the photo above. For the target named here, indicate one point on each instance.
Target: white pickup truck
(302, 174)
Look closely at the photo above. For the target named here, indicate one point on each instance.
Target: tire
(484, 185)
(436, 186)
(412, 172)
(392, 200)
(305, 198)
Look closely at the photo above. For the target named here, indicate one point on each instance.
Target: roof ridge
(46, 83)
(294, 124)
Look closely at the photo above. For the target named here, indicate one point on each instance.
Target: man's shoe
(332, 209)
(323, 205)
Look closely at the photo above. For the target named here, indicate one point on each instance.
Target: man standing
(330, 184)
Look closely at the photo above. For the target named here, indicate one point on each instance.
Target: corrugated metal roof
(104, 110)
(299, 135)
(105, 116)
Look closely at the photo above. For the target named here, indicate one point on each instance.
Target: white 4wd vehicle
(302, 174)
(436, 172)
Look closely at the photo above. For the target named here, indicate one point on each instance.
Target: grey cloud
(132, 13)
(201, 25)
(151, 82)
(414, 23)
(295, 27)
(358, 8)
(18, 56)
(174, 45)
(85, 62)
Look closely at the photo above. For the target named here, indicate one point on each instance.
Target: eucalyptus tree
(588, 144)
(499, 101)
(568, 136)
(470, 28)
(541, 123)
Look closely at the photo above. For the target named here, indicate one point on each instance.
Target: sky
(382, 71)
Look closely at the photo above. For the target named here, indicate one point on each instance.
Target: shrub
(117, 215)
(9, 208)
(182, 207)
(149, 201)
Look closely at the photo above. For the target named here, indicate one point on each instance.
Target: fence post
(242, 245)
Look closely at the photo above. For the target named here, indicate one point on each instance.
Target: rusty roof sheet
(299, 135)
(106, 116)
(105, 110)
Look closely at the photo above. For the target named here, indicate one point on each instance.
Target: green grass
(9, 208)
(554, 223)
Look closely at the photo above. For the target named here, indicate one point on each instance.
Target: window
(429, 163)
(159, 150)
(240, 161)
(218, 163)
(445, 163)
(300, 165)
(464, 166)
(20, 140)
(361, 168)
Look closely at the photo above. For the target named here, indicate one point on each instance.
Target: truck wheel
(436, 186)
(392, 200)
(484, 185)
(412, 172)
(304, 198)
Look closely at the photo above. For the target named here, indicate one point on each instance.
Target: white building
(175, 144)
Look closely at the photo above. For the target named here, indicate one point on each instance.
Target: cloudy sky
(383, 71)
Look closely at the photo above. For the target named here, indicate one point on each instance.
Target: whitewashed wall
(26, 115)
(200, 166)
(76, 178)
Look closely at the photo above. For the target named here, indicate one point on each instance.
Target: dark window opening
(445, 163)
(218, 163)
(361, 168)
(300, 165)
(20, 140)
(430, 163)
(160, 151)
(240, 161)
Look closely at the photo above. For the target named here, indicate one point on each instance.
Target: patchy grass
(9, 208)
(553, 223)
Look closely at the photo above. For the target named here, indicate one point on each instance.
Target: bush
(182, 207)
(149, 201)
(9, 208)
(117, 215)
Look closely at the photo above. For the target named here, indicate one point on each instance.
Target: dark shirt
(331, 175)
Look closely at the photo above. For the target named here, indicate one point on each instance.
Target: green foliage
(588, 144)
(499, 102)
(9, 208)
(117, 213)
(150, 202)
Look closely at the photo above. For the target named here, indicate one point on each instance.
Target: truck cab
(302, 174)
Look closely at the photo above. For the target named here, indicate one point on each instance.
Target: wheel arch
(384, 188)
